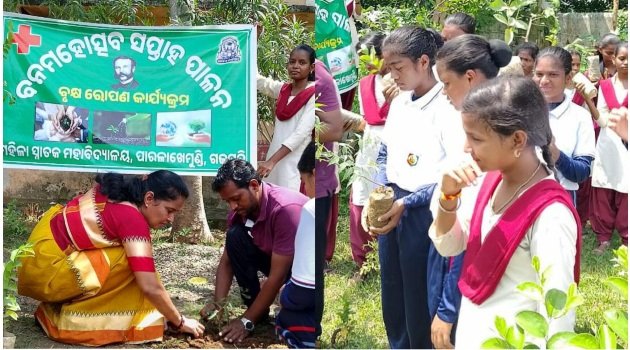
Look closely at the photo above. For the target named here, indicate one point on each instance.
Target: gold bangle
(450, 197)
(459, 203)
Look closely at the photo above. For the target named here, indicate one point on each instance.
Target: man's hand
(393, 215)
(210, 311)
(441, 333)
(234, 332)
(555, 152)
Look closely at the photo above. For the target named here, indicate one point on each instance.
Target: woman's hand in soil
(265, 167)
(393, 215)
(234, 332)
(193, 327)
(211, 311)
(441, 333)
(463, 175)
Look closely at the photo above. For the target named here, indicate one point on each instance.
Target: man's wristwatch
(249, 325)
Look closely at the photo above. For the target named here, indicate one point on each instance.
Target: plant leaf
(501, 325)
(618, 321)
(560, 340)
(501, 18)
(607, 338)
(520, 24)
(533, 323)
(584, 341)
(531, 290)
(619, 284)
(516, 337)
(495, 343)
(509, 35)
(536, 263)
(531, 346)
(555, 300)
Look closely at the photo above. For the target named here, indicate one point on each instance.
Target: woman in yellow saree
(93, 268)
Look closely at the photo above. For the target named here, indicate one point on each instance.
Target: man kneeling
(262, 222)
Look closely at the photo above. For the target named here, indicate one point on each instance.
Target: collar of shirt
(562, 108)
(424, 100)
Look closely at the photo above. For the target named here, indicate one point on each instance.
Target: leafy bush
(9, 280)
(589, 5)
(387, 18)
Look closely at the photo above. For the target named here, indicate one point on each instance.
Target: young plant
(557, 304)
(9, 280)
(196, 125)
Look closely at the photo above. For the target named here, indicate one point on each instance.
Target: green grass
(353, 310)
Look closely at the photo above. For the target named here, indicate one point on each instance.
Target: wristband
(178, 327)
(450, 197)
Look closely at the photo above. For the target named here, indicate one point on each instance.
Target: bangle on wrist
(180, 325)
(441, 207)
(450, 197)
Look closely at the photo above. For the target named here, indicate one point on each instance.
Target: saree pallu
(88, 297)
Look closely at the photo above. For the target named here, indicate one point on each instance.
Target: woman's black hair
(530, 48)
(239, 171)
(608, 39)
(562, 57)
(373, 39)
(507, 104)
(439, 41)
(620, 45)
(311, 57)
(470, 51)
(412, 42)
(463, 21)
(306, 164)
(165, 185)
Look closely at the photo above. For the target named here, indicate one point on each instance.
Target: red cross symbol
(24, 39)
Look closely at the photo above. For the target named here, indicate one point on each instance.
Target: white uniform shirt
(552, 238)
(294, 133)
(303, 269)
(572, 127)
(420, 137)
(610, 167)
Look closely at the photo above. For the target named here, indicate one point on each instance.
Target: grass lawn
(352, 314)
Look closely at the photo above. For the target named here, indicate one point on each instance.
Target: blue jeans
(403, 258)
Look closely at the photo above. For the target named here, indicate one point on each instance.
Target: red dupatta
(608, 90)
(286, 110)
(485, 263)
(373, 113)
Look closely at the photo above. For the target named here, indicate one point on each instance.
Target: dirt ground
(176, 264)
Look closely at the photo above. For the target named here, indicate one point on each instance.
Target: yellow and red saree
(88, 291)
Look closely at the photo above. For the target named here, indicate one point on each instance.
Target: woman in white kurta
(505, 119)
(295, 118)
(609, 198)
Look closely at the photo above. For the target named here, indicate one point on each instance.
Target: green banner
(91, 97)
(333, 42)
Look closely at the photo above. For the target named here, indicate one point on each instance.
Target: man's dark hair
(133, 62)
(239, 171)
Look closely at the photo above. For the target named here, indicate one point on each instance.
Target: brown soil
(381, 200)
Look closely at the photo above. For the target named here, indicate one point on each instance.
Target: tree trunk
(191, 225)
(192, 219)
(615, 14)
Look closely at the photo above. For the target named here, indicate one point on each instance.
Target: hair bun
(500, 52)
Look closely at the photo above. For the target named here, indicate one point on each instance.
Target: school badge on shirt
(412, 159)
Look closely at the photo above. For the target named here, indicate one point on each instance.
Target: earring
(146, 205)
(517, 153)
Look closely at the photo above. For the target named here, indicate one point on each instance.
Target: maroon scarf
(608, 90)
(577, 98)
(286, 110)
(484, 264)
(374, 115)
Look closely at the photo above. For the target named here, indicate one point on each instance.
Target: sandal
(601, 248)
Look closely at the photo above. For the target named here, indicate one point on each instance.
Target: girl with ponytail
(417, 139)
(517, 211)
(93, 268)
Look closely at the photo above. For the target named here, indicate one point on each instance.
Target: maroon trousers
(331, 232)
(583, 198)
(347, 99)
(609, 211)
(359, 239)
